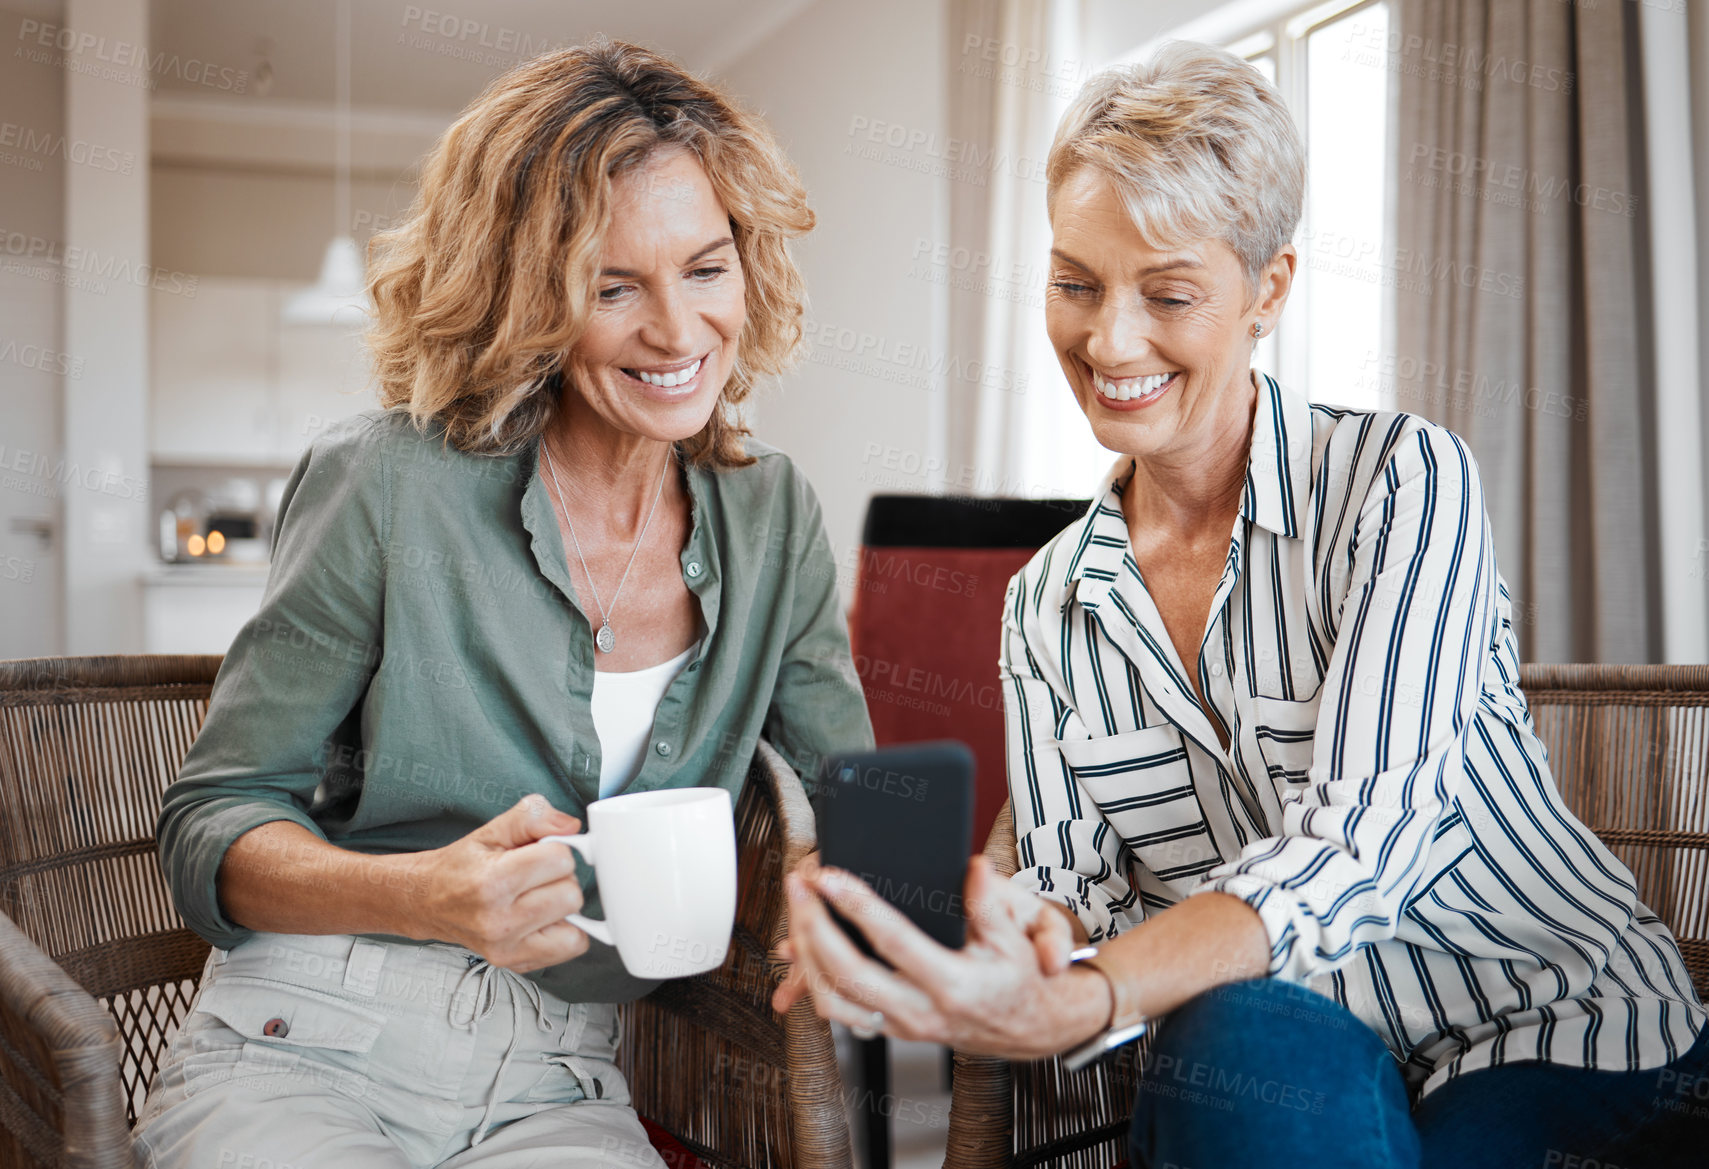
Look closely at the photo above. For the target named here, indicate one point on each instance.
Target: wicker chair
(1630, 750)
(96, 968)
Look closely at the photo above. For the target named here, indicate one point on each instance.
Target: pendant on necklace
(606, 640)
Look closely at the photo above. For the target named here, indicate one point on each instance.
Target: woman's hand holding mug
(504, 891)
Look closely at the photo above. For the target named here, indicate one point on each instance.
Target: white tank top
(623, 708)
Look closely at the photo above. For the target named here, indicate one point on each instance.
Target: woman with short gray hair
(1277, 794)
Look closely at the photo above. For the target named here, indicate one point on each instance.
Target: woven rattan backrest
(763, 1089)
(1629, 747)
(87, 745)
(709, 1022)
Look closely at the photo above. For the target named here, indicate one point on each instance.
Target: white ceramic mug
(667, 878)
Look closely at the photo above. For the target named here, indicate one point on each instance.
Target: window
(1330, 63)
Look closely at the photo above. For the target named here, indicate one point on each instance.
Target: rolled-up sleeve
(1402, 683)
(296, 671)
(1067, 851)
(817, 707)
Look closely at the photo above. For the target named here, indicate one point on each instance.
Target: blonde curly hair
(489, 282)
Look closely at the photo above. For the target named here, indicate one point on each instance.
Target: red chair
(925, 627)
(927, 619)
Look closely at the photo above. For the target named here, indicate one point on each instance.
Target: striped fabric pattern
(1384, 803)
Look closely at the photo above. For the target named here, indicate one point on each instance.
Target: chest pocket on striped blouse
(1142, 782)
(1286, 733)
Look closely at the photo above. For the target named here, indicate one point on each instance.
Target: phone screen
(901, 819)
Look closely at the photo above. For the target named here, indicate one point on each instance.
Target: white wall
(1115, 29)
(106, 320)
(32, 348)
(849, 415)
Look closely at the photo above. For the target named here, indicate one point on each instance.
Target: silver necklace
(606, 640)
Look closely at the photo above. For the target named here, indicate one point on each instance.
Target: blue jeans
(1261, 1075)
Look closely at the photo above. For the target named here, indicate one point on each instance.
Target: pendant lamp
(340, 295)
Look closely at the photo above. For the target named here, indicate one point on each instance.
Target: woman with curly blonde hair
(554, 568)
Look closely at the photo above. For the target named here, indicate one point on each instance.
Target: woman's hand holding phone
(1008, 991)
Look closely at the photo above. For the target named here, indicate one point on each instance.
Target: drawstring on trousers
(485, 999)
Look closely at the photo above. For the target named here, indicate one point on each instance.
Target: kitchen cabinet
(198, 608)
(232, 385)
(211, 381)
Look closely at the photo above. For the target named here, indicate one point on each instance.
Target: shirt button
(1216, 669)
(693, 568)
(663, 748)
(276, 1028)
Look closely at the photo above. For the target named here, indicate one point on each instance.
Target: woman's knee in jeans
(1270, 1060)
(1251, 1024)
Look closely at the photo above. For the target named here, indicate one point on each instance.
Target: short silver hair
(1198, 145)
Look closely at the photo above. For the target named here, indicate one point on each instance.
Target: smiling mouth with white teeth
(669, 379)
(1134, 389)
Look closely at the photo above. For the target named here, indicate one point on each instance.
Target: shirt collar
(1278, 487)
(1278, 467)
(1102, 547)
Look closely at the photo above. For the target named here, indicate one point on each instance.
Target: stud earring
(1257, 329)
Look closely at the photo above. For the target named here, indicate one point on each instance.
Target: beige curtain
(972, 112)
(1015, 430)
(1521, 320)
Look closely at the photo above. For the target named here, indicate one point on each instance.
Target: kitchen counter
(207, 573)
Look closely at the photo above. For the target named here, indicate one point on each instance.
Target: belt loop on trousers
(362, 971)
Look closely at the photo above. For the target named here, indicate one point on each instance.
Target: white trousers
(304, 1052)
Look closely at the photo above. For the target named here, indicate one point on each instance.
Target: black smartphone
(901, 819)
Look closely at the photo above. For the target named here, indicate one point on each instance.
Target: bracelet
(1127, 1021)
(1110, 1021)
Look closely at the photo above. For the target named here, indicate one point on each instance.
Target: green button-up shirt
(420, 662)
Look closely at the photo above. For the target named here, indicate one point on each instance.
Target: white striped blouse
(1384, 803)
